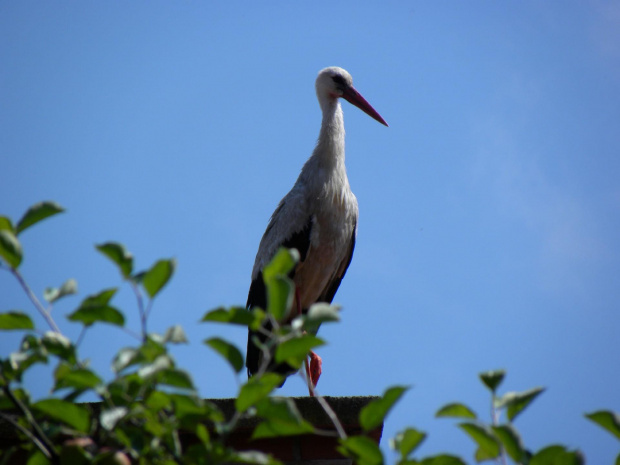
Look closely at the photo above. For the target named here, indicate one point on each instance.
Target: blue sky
(489, 209)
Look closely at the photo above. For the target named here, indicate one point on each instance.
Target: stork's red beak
(355, 98)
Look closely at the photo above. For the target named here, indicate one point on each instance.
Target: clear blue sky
(489, 209)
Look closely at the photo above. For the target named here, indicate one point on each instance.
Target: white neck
(325, 168)
(330, 145)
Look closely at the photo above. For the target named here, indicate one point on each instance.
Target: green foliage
(492, 379)
(256, 389)
(52, 294)
(150, 403)
(294, 351)
(456, 410)
(488, 445)
(15, 320)
(511, 441)
(91, 314)
(228, 351)
(10, 248)
(498, 441)
(119, 255)
(279, 286)
(36, 213)
(236, 316)
(318, 314)
(407, 442)
(373, 414)
(280, 418)
(557, 455)
(607, 420)
(71, 414)
(363, 450)
(157, 277)
(516, 402)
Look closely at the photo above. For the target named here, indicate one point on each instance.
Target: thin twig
(131, 333)
(326, 407)
(79, 339)
(147, 312)
(28, 433)
(33, 298)
(328, 410)
(141, 310)
(495, 413)
(48, 447)
(230, 426)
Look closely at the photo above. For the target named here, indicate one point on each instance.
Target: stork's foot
(313, 371)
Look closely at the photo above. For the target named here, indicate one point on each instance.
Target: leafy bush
(150, 405)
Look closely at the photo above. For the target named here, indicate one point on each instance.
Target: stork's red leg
(314, 369)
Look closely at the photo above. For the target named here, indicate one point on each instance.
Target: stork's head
(334, 82)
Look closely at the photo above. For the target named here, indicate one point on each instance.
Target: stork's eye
(339, 80)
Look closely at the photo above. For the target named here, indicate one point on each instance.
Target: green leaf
(163, 362)
(119, 255)
(363, 450)
(191, 407)
(251, 457)
(557, 455)
(456, 410)
(280, 297)
(176, 335)
(202, 433)
(606, 419)
(158, 400)
(488, 446)
(31, 351)
(176, 378)
(492, 379)
(516, 402)
(7, 404)
(157, 277)
(52, 294)
(73, 452)
(281, 264)
(233, 315)
(294, 351)
(78, 378)
(442, 459)
(407, 441)
(124, 358)
(36, 213)
(256, 389)
(5, 224)
(59, 345)
(110, 417)
(510, 439)
(279, 286)
(10, 248)
(38, 458)
(98, 313)
(280, 418)
(69, 413)
(373, 414)
(228, 351)
(15, 320)
(318, 314)
(101, 299)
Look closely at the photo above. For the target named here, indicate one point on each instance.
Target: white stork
(318, 217)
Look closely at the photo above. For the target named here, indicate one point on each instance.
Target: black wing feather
(329, 292)
(257, 297)
(300, 240)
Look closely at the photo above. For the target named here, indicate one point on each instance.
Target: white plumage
(319, 214)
